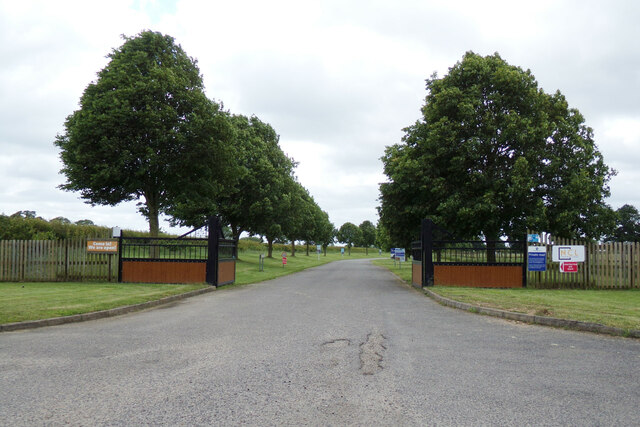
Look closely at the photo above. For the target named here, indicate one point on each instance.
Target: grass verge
(21, 302)
(616, 308)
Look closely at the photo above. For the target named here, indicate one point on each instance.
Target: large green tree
(368, 233)
(325, 231)
(493, 155)
(145, 131)
(349, 234)
(262, 173)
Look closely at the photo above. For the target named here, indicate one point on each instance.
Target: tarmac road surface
(344, 343)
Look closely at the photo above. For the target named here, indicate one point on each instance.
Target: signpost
(109, 247)
(398, 255)
(537, 258)
(319, 251)
(284, 259)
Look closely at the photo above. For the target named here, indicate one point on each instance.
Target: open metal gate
(185, 259)
(439, 259)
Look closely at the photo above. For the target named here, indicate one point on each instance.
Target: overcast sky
(338, 80)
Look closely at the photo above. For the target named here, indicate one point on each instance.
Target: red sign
(284, 260)
(568, 267)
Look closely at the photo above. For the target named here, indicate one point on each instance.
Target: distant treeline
(25, 225)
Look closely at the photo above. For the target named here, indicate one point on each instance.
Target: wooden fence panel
(54, 261)
(612, 265)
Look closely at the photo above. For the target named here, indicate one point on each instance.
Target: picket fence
(54, 261)
(612, 265)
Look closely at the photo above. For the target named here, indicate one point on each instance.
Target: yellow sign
(102, 246)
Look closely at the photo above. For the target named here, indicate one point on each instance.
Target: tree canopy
(145, 130)
(368, 235)
(627, 228)
(493, 155)
(349, 234)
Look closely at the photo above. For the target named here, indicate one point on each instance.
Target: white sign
(537, 249)
(563, 253)
(399, 254)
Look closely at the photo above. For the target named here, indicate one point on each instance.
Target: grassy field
(617, 308)
(247, 270)
(32, 301)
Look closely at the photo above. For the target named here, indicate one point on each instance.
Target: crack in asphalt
(337, 343)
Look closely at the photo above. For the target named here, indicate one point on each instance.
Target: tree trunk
(349, 246)
(270, 247)
(293, 247)
(307, 248)
(154, 224)
(236, 231)
(492, 238)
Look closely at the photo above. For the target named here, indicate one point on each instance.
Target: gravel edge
(539, 320)
(31, 324)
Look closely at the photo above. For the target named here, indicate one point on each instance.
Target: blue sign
(533, 238)
(399, 254)
(537, 259)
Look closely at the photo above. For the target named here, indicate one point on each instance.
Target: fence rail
(166, 249)
(54, 261)
(477, 252)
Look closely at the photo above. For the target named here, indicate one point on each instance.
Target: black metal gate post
(525, 260)
(426, 236)
(120, 256)
(212, 253)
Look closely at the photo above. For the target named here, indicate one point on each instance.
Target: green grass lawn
(32, 301)
(617, 308)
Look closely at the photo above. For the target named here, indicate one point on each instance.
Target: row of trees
(146, 131)
(26, 225)
(353, 235)
(494, 155)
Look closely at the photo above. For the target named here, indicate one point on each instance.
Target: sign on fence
(537, 258)
(568, 267)
(102, 246)
(399, 254)
(533, 238)
(571, 253)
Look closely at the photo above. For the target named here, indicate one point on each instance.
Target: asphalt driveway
(344, 343)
